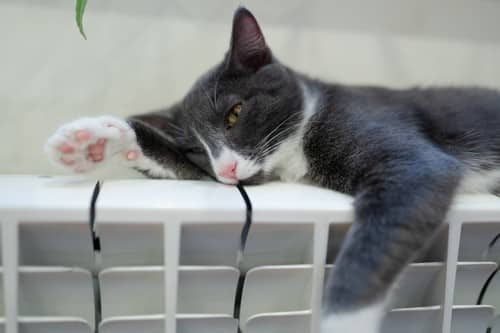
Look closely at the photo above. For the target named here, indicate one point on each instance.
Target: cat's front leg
(398, 209)
(87, 144)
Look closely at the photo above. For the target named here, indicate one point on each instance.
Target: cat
(403, 154)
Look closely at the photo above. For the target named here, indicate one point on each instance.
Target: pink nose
(229, 171)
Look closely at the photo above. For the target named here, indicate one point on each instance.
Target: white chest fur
(480, 181)
(289, 162)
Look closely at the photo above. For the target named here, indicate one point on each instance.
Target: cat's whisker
(276, 128)
(275, 141)
(275, 137)
(266, 140)
(270, 138)
(274, 146)
(266, 144)
(212, 103)
(176, 130)
(215, 91)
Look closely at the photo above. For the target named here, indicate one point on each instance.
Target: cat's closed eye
(233, 115)
(194, 150)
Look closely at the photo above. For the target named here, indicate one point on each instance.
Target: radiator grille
(168, 260)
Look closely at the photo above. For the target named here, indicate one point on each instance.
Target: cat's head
(236, 115)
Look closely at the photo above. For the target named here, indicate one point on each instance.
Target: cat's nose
(229, 170)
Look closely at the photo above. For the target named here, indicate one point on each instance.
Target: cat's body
(463, 123)
(402, 153)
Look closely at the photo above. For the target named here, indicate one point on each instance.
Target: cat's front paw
(87, 143)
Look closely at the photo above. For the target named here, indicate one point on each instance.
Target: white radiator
(166, 259)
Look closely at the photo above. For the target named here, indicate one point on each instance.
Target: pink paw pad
(95, 152)
(82, 136)
(66, 149)
(132, 155)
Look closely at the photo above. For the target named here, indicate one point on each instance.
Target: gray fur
(401, 153)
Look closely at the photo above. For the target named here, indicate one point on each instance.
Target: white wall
(143, 55)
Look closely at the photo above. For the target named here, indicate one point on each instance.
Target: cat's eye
(233, 115)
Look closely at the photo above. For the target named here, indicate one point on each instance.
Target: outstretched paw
(86, 143)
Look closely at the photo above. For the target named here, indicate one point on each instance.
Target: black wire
(248, 220)
(243, 241)
(486, 285)
(493, 241)
(238, 296)
(96, 242)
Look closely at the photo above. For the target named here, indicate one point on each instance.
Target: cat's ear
(249, 50)
(165, 121)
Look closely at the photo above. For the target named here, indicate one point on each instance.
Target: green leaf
(80, 9)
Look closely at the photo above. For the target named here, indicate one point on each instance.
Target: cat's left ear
(249, 50)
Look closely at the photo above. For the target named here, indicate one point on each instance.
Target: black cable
(493, 241)
(486, 285)
(248, 220)
(243, 241)
(96, 243)
(93, 201)
(238, 296)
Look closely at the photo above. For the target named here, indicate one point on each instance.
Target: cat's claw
(84, 144)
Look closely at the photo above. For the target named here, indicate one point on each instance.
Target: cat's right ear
(249, 50)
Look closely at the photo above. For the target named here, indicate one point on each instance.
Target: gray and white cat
(403, 154)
